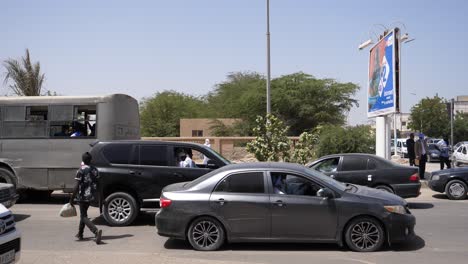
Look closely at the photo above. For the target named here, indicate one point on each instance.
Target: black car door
(353, 169)
(180, 174)
(297, 213)
(154, 170)
(242, 202)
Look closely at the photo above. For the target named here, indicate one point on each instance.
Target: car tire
(6, 176)
(456, 190)
(384, 188)
(364, 234)
(120, 209)
(206, 234)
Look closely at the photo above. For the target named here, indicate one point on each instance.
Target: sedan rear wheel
(364, 234)
(206, 234)
(456, 190)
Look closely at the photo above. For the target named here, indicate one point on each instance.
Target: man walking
(84, 193)
(443, 147)
(410, 148)
(420, 150)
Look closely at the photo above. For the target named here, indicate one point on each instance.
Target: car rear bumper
(169, 225)
(407, 190)
(400, 227)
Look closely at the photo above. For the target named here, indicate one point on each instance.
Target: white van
(10, 237)
(401, 147)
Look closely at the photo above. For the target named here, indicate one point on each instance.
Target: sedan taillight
(414, 178)
(163, 203)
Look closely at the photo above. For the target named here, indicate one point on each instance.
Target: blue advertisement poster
(381, 96)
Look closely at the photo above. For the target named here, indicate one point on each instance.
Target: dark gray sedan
(280, 202)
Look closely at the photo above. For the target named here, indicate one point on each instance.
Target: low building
(202, 127)
(461, 104)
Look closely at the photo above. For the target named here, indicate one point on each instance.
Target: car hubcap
(456, 190)
(365, 235)
(205, 234)
(119, 209)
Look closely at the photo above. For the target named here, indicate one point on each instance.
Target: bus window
(24, 122)
(84, 120)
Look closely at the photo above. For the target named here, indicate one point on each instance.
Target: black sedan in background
(280, 202)
(370, 170)
(453, 182)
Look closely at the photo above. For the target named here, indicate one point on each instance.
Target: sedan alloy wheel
(364, 234)
(206, 234)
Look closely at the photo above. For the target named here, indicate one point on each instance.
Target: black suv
(134, 172)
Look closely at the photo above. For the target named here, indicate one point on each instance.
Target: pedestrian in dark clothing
(85, 193)
(443, 147)
(420, 149)
(410, 148)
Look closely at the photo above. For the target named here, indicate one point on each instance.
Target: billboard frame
(395, 70)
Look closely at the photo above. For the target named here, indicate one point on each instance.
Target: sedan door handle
(132, 172)
(332, 176)
(279, 203)
(221, 201)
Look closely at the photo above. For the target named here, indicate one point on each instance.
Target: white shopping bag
(67, 210)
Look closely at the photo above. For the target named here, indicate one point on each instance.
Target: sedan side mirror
(212, 164)
(325, 193)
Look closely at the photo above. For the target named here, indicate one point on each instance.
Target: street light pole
(268, 60)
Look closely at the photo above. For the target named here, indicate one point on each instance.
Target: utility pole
(268, 60)
(452, 102)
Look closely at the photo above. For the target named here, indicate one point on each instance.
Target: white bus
(42, 138)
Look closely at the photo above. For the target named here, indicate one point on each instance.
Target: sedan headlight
(397, 209)
(435, 178)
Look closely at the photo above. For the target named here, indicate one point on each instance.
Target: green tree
(460, 127)
(160, 115)
(304, 150)
(242, 96)
(430, 117)
(25, 77)
(354, 139)
(302, 100)
(307, 102)
(271, 142)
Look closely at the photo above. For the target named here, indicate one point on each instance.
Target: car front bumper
(437, 186)
(407, 190)
(400, 227)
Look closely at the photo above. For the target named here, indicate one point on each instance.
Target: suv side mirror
(325, 193)
(212, 164)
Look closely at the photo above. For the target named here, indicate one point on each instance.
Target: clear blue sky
(142, 47)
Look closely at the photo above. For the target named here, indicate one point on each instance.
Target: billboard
(383, 88)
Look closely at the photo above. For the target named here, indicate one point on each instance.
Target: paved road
(47, 238)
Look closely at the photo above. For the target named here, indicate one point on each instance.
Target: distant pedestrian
(410, 148)
(420, 150)
(208, 144)
(84, 193)
(443, 146)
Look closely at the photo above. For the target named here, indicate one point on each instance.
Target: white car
(10, 238)
(460, 155)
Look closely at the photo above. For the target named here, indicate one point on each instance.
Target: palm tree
(25, 78)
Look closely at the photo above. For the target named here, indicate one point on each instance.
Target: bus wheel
(7, 176)
(120, 209)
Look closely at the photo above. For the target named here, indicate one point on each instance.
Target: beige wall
(187, 125)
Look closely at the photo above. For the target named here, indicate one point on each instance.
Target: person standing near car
(443, 146)
(84, 193)
(410, 148)
(420, 150)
